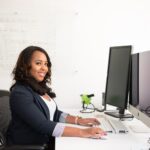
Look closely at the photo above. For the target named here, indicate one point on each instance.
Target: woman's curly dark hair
(21, 72)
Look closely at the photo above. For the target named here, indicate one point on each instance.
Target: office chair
(5, 117)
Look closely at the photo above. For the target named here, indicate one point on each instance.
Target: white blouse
(51, 106)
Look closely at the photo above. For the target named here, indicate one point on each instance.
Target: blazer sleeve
(23, 106)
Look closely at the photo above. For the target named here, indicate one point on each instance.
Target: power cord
(87, 109)
(147, 110)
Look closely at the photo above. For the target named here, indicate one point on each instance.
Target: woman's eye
(41, 63)
(38, 63)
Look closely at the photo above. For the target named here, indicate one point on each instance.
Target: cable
(86, 109)
(100, 110)
(147, 110)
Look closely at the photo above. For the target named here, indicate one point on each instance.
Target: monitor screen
(117, 84)
(134, 80)
(144, 81)
(139, 87)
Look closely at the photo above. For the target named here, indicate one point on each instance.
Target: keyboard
(105, 125)
(118, 126)
(112, 126)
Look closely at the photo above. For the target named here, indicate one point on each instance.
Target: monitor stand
(120, 113)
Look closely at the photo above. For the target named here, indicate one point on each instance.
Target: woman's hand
(93, 132)
(88, 121)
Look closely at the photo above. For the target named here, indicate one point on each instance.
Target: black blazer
(30, 118)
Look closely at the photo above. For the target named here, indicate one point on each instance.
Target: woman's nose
(43, 67)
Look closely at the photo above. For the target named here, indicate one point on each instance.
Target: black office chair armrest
(25, 147)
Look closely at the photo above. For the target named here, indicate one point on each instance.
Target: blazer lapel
(41, 104)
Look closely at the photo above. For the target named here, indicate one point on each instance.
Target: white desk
(129, 141)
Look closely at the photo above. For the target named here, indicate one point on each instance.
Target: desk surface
(134, 140)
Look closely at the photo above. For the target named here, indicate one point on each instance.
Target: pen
(103, 138)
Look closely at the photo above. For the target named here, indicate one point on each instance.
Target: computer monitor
(134, 80)
(139, 100)
(117, 84)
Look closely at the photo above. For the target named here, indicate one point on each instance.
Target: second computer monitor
(140, 81)
(116, 93)
(139, 102)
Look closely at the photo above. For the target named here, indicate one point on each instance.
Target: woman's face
(39, 66)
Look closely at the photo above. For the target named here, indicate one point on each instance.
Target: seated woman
(35, 115)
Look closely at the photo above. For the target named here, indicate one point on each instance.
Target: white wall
(77, 35)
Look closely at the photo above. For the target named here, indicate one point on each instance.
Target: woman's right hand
(93, 132)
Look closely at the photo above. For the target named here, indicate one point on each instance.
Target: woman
(35, 116)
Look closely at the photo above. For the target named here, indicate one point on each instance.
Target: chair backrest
(2, 141)
(4, 93)
(5, 115)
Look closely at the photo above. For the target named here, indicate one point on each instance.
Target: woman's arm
(81, 121)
